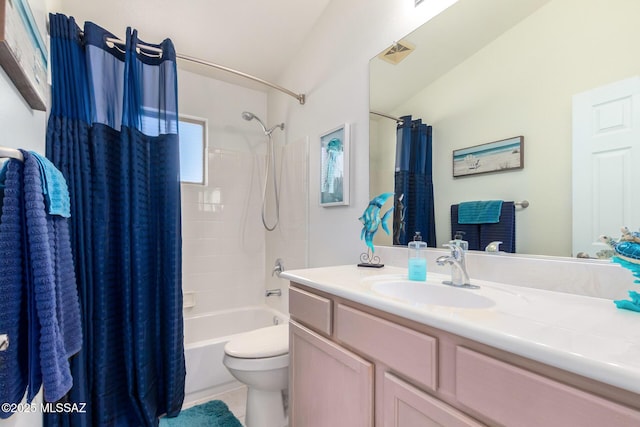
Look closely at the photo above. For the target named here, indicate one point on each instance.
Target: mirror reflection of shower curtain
(413, 200)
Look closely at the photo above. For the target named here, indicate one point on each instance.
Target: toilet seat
(260, 343)
(255, 365)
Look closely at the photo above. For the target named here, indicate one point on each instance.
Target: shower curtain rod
(398, 120)
(11, 153)
(299, 96)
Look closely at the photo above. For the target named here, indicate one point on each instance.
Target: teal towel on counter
(54, 188)
(479, 212)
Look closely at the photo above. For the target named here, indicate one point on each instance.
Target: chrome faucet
(459, 275)
(277, 268)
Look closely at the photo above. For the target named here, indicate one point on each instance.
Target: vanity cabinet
(332, 385)
(353, 365)
(329, 386)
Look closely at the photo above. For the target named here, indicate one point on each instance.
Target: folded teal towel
(479, 212)
(54, 188)
(633, 305)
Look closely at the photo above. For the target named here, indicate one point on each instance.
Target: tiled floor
(236, 400)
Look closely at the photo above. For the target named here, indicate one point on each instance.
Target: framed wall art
(495, 156)
(23, 53)
(334, 166)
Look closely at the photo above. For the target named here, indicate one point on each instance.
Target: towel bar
(4, 342)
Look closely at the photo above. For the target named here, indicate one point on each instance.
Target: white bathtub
(204, 338)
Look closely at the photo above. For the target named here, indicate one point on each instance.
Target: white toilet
(260, 359)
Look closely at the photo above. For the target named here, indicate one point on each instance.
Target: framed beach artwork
(23, 52)
(334, 167)
(495, 156)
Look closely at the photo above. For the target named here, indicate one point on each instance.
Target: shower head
(250, 116)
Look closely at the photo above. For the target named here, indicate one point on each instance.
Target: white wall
(21, 126)
(332, 69)
(487, 98)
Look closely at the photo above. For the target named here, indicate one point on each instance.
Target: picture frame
(334, 166)
(498, 156)
(23, 52)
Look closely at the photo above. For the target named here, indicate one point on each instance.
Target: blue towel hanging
(53, 308)
(13, 312)
(503, 231)
(54, 187)
(479, 212)
(480, 235)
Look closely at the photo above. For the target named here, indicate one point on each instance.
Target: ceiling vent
(397, 52)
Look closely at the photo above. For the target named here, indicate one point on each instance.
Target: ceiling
(441, 44)
(257, 37)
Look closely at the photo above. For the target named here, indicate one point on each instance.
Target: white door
(606, 163)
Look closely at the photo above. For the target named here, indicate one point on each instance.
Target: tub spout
(273, 292)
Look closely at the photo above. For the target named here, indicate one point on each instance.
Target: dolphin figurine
(371, 219)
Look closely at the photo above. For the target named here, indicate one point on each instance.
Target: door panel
(606, 147)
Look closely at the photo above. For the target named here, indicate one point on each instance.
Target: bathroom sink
(431, 294)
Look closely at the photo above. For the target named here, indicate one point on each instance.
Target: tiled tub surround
(573, 336)
(227, 254)
(223, 246)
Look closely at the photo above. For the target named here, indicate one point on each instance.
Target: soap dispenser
(459, 241)
(417, 258)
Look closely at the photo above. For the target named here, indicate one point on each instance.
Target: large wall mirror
(484, 71)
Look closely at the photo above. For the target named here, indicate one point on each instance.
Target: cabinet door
(329, 386)
(407, 406)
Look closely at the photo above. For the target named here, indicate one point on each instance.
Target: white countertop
(584, 335)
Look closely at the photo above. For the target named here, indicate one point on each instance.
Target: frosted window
(192, 150)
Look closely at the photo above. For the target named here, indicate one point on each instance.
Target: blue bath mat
(211, 414)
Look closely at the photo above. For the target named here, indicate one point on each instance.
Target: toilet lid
(264, 342)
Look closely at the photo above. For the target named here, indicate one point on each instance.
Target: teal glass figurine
(627, 254)
(371, 221)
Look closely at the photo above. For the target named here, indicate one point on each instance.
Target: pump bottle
(417, 258)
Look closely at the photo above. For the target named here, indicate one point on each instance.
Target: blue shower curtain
(112, 131)
(413, 200)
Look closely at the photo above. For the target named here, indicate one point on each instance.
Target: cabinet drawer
(404, 350)
(514, 396)
(405, 405)
(312, 310)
